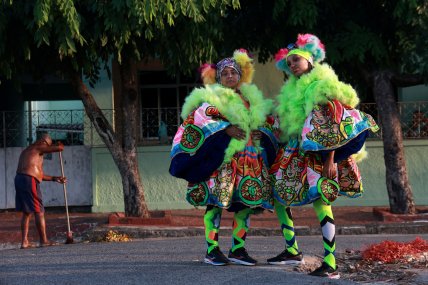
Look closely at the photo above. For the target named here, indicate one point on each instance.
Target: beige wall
(268, 78)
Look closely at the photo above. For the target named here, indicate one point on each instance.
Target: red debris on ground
(392, 251)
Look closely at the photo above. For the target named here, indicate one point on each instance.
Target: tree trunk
(125, 158)
(397, 183)
(135, 202)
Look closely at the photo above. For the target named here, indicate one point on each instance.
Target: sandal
(49, 243)
(30, 245)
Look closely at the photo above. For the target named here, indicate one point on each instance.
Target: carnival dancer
(224, 148)
(324, 136)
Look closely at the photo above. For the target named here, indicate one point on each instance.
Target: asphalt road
(167, 261)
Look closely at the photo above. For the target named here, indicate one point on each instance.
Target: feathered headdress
(241, 62)
(307, 45)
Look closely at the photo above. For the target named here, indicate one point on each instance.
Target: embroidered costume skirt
(197, 156)
(297, 171)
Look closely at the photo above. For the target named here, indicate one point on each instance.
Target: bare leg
(25, 224)
(41, 228)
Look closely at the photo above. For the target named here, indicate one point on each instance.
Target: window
(161, 99)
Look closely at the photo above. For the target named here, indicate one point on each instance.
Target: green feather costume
(317, 114)
(298, 97)
(242, 176)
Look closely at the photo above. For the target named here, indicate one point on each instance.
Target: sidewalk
(179, 223)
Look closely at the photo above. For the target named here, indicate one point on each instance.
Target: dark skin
(31, 163)
(237, 133)
(298, 66)
(229, 77)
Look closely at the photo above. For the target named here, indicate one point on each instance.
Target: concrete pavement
(180, 261)
(173, 233)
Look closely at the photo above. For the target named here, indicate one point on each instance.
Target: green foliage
(303, 12)
(357, 42)
(361, 35)
(84, 35)
(57, 19)
(414, 40)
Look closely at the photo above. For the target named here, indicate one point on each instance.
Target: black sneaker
(216, 257)
(326, 270)
(286, 258)
(240, 256)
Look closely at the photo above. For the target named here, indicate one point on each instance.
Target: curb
(141, 232)
(163, 218)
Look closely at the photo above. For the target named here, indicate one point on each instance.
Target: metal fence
(158, 126)
(71, 127)
(413, 118)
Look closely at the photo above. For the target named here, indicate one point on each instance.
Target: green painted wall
(103, 95)
(166, 192)
(162, 190)
(413, 93)
(373, 173)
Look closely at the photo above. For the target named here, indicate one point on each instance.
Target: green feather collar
(298, 96)
(231, 106)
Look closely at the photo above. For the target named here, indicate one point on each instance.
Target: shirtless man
(28, 197)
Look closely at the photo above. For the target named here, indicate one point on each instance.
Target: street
(169, 261)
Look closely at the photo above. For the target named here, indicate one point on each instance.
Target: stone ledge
(157, 218)
(385, 215)
(152, 231)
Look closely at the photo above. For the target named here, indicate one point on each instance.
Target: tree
(378, 46)
(383, 40)
(71, 38)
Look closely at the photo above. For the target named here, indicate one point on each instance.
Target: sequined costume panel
(296, 172)
(199, 144)
(204, 122)
(244, 179)
(333, 125)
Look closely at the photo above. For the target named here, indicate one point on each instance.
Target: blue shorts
(28, 198)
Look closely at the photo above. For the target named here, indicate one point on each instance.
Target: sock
(212, 219)
(325, 216)
(285, 219)
(241, 223)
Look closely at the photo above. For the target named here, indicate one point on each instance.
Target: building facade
(94, 180)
